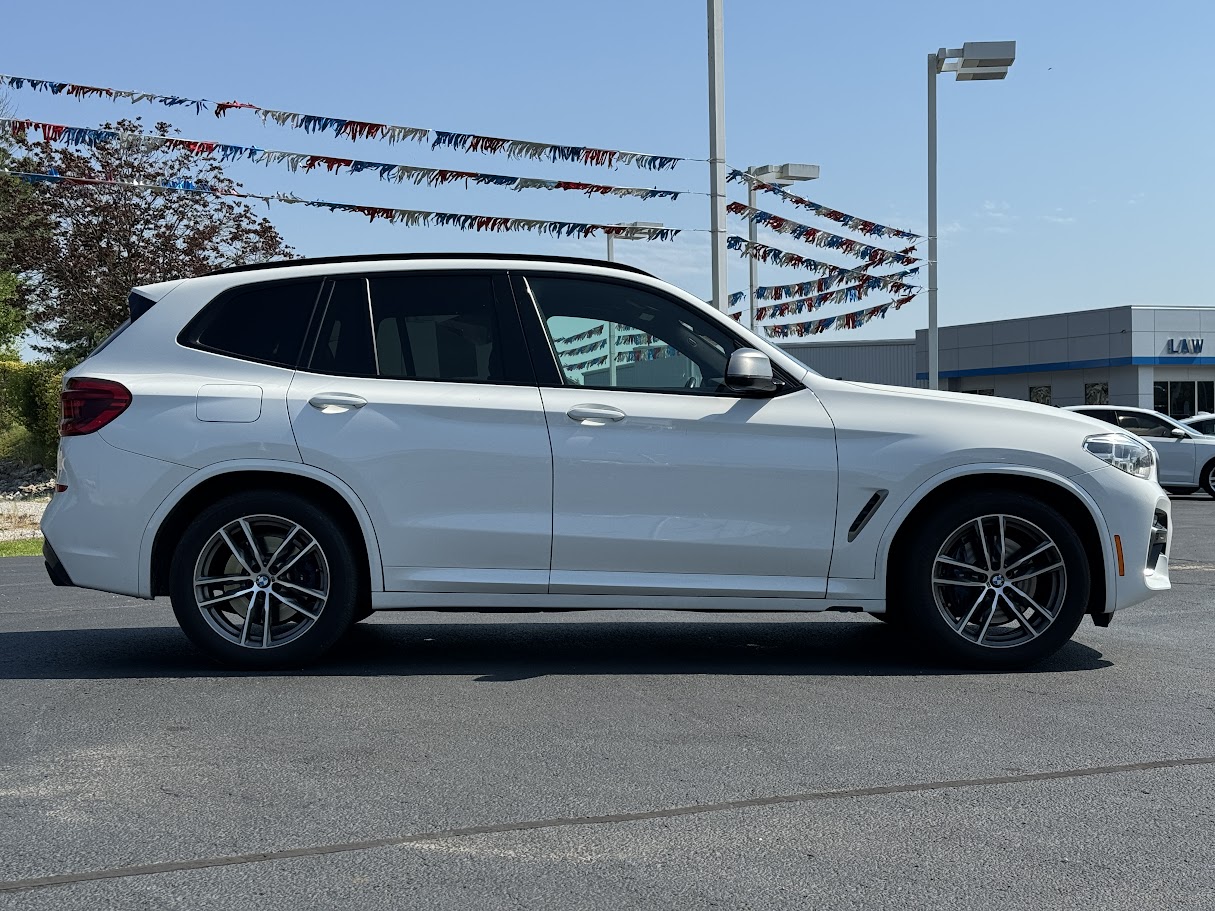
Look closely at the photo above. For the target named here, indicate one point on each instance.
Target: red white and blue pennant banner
(812, 288)
(849, 295)
(845, 321)
(581, 336)
(408, 217)
(297, 161)
(585, 349)
(860, 225)
(873, 256)
(647, 354)
(363, 129)
(764, 253)
(587, 365)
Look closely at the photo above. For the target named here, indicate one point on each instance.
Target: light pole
(780, 175)
(635, 230)
(974, 61)
(717, 155)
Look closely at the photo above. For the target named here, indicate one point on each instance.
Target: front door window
(615, 336)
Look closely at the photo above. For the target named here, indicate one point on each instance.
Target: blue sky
(1084, 180)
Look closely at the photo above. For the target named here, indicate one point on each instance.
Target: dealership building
(1148, 357)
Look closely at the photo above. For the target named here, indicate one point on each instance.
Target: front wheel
(994, 579)
(1208, 478)
(264, 580)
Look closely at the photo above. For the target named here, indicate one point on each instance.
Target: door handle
(595, 415)
(336, 402)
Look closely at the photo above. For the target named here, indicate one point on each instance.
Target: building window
(980, 391)
(1039, 395)
(1096, 393)
(1184, 398)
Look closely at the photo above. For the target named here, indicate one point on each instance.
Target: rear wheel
(264, 580)
(995, 579)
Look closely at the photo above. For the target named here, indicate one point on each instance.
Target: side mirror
(750, 371)
(1179, 433)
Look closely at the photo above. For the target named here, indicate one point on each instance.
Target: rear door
(416, 390)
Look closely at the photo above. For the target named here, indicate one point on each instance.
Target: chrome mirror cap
(750, 371)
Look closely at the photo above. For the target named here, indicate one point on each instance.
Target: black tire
(328, 558)
(1007, 640)
(1208, 477)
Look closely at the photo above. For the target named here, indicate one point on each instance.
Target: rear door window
(457, 327)
(264, 322)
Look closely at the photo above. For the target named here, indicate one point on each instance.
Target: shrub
(29, 397)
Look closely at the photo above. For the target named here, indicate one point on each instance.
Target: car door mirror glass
(750, 371)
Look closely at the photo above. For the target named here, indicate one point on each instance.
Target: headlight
(1125, 453)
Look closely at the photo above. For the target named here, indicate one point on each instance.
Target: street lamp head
(634, 230)
(784, 174)
(984, 60)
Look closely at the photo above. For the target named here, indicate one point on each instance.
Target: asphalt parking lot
(606, 761)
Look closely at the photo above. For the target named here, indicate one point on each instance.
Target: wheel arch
(1072, 501)
(210, 484)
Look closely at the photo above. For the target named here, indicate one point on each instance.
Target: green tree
(12, 320)
(16, 222)
(101, 240)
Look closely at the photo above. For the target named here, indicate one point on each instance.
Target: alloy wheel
(261, 581)
(999, 581)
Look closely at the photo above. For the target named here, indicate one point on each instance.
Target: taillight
(89, 405)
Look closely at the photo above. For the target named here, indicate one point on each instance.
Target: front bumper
(1138, 524)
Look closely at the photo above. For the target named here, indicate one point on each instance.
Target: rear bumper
(54, 568)
(95, 526)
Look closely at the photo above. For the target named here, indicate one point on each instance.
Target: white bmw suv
(283, 448)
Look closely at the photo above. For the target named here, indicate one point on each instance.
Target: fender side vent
(866, 513)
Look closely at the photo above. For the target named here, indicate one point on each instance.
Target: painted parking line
(43, 882)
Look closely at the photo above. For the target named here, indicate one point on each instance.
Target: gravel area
(24, 492)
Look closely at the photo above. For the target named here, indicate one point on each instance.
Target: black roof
(380, 257)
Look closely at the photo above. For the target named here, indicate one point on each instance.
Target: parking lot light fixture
(636, 230)
(781, 175)
(974, 61)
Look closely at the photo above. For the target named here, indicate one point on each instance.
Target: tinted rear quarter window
(263, 322)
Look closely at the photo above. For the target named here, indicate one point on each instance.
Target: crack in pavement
(21, 885)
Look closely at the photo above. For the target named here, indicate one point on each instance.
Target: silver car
(1187, 456)
(1203, 423)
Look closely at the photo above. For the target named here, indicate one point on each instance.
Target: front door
(664, 481)
(419, 395)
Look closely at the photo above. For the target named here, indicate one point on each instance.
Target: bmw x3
(282, 449)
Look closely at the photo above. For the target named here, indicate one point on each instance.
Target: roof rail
(379, 257)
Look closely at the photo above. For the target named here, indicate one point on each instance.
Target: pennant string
(873, 256)
(832, 275)
(861, 225)
(296, 161)
(853, 320)
(408, 217)
(360, 129)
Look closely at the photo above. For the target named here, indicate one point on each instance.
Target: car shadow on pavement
(501, 652)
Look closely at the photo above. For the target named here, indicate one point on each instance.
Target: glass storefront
(1184, 398)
